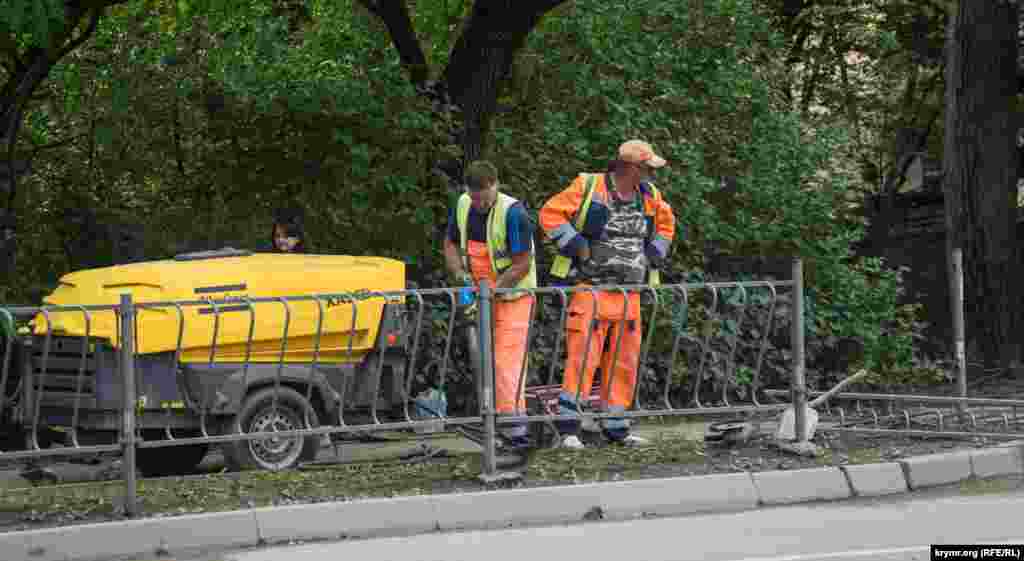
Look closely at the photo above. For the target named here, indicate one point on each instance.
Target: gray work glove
(586, 269)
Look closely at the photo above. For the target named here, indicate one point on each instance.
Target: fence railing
(922, 415)
(268, 378)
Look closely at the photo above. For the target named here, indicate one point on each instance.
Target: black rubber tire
(170, 460)
(12, 437)
(258, 414)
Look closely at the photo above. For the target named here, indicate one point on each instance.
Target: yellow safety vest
(497, 242)
(561, 265)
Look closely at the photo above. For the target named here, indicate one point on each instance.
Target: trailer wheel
(170, 460)
(260, 414)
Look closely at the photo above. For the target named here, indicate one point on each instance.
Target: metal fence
(930, 415)
(922, 415)
(159, 382)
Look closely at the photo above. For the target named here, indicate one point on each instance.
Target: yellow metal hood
(226, 283)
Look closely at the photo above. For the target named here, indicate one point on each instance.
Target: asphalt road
(894, 529)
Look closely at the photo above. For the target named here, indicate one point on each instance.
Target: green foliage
(439, 24)
(214, 114)
(697, 80)
(31, 21)
(875, 66)
(199, 116)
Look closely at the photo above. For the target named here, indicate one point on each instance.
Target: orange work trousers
(610, 317)
(511, 327)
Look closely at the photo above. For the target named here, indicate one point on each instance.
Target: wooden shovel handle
(835, 389)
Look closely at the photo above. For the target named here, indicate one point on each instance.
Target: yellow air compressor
(225, 341)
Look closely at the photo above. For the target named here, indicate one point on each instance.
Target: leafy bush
(199, 125)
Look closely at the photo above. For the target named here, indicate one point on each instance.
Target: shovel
(786, 430)
(433, 403)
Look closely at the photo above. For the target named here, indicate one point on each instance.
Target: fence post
(126, 311)
(959, 335)
(799, 386)
(487, 376)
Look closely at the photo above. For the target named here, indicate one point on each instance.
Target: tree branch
(97, 5)
(395, 15)
(372, 7)
(9, 48)
(542, 6)
(936, 80)
(796, 50)
(94, 19)
(41, 147)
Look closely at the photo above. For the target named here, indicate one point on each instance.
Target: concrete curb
(150, 536)
(800, 486)
(372, 517)
(936, 469)
(504, 508)
(613, 501)
(875, 480)
(996, 461)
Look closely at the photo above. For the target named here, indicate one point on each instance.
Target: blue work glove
(465, 296)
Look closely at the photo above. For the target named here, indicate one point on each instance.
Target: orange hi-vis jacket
(571, 220)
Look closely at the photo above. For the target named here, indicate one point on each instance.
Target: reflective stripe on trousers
(618, 380)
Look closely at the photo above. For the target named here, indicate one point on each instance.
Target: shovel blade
(787, 424)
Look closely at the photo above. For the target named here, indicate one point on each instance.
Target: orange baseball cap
(640, 152)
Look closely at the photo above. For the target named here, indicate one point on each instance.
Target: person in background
(288, 234)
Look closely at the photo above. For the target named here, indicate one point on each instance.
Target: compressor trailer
(206, 355)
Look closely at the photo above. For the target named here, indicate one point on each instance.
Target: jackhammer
(508, 453)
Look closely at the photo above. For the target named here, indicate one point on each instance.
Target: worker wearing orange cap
(610, 228)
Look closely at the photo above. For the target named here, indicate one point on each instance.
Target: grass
(231, 491)
(606, 463)
(674, 451)
(992, 486)
(854, 456)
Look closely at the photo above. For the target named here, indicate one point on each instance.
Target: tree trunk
(481, 59)
(980, 161)
(27, 72)
(15, 94)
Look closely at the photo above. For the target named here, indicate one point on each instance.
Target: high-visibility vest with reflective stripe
(497, 239)
(561, 265)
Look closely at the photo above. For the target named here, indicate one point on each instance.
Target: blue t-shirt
(519, 235)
